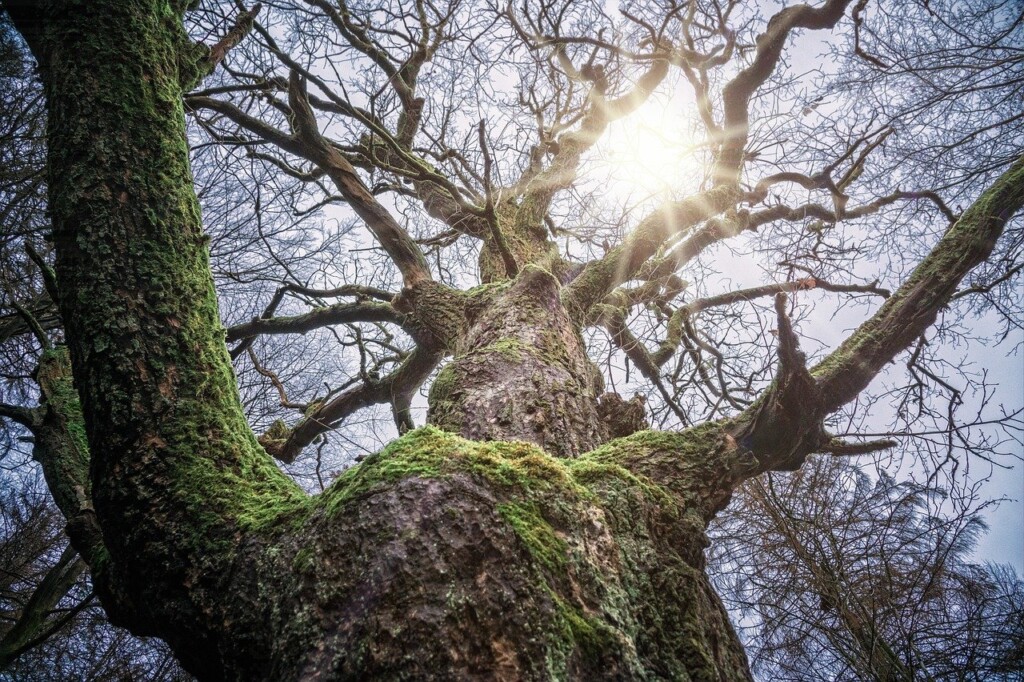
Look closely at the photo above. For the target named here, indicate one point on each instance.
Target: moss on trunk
(438, 557)
(442, 557)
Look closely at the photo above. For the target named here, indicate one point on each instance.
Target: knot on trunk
(620, 417)
(436, 314)
(785, 424)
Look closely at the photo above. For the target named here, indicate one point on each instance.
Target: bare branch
(511, 269)
(737, 93)
(844, 448)
(286, 444)
(395, 240)
(31, 622)
(340, 313)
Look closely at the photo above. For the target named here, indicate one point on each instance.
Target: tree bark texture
(439, 556)
(509, 539)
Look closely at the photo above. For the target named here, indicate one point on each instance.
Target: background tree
(51, 627)
(376, 112)
(838, 576)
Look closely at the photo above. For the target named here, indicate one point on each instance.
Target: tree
(50, 624)
(533, 529)
(841, 577)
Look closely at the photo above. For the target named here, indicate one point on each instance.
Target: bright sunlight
(653, 154)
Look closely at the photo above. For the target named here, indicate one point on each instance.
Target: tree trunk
(523, 373)
(439, 556)
(505, 541)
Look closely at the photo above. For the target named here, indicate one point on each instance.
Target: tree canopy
(647, 251)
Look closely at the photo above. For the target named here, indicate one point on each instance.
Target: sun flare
(652, 154)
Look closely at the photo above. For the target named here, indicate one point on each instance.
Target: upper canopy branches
(458, 131)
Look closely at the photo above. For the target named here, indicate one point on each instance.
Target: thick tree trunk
(439, 556)
(522, 373)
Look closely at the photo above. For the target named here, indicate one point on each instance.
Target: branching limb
(357, 290)
(737, 93)
(49, 276)
(62, 450)
(307, 142)
(987, 287)
(199, 61)
(395, 240)
(668, 347)
(858, 49)
(243, 24)
(784, 425)
(285, 444)
(599, 277)
(26, 416)
(33, 324)
(541, 187)
(915, 305)
(275, 380)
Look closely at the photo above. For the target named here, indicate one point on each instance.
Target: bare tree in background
(398, 196)
(842, 577)
(51, 627)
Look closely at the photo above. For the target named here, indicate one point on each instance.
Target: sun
(653, 154)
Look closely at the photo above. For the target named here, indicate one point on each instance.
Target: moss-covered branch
(197, 61)
(917, 302)
(178, 478)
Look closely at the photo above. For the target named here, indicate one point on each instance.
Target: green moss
(429, 452)
(445, 382)
(592, 636)
(149, 355)
(590, 472)
(304, 560)
(537, 534)
(59, 394)
(276, 436)
(552, 505)
(480, 298)
(510, 349)
(253, 494)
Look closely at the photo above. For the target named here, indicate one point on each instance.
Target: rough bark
(523, 374)
(439, 556)
(502, 542)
